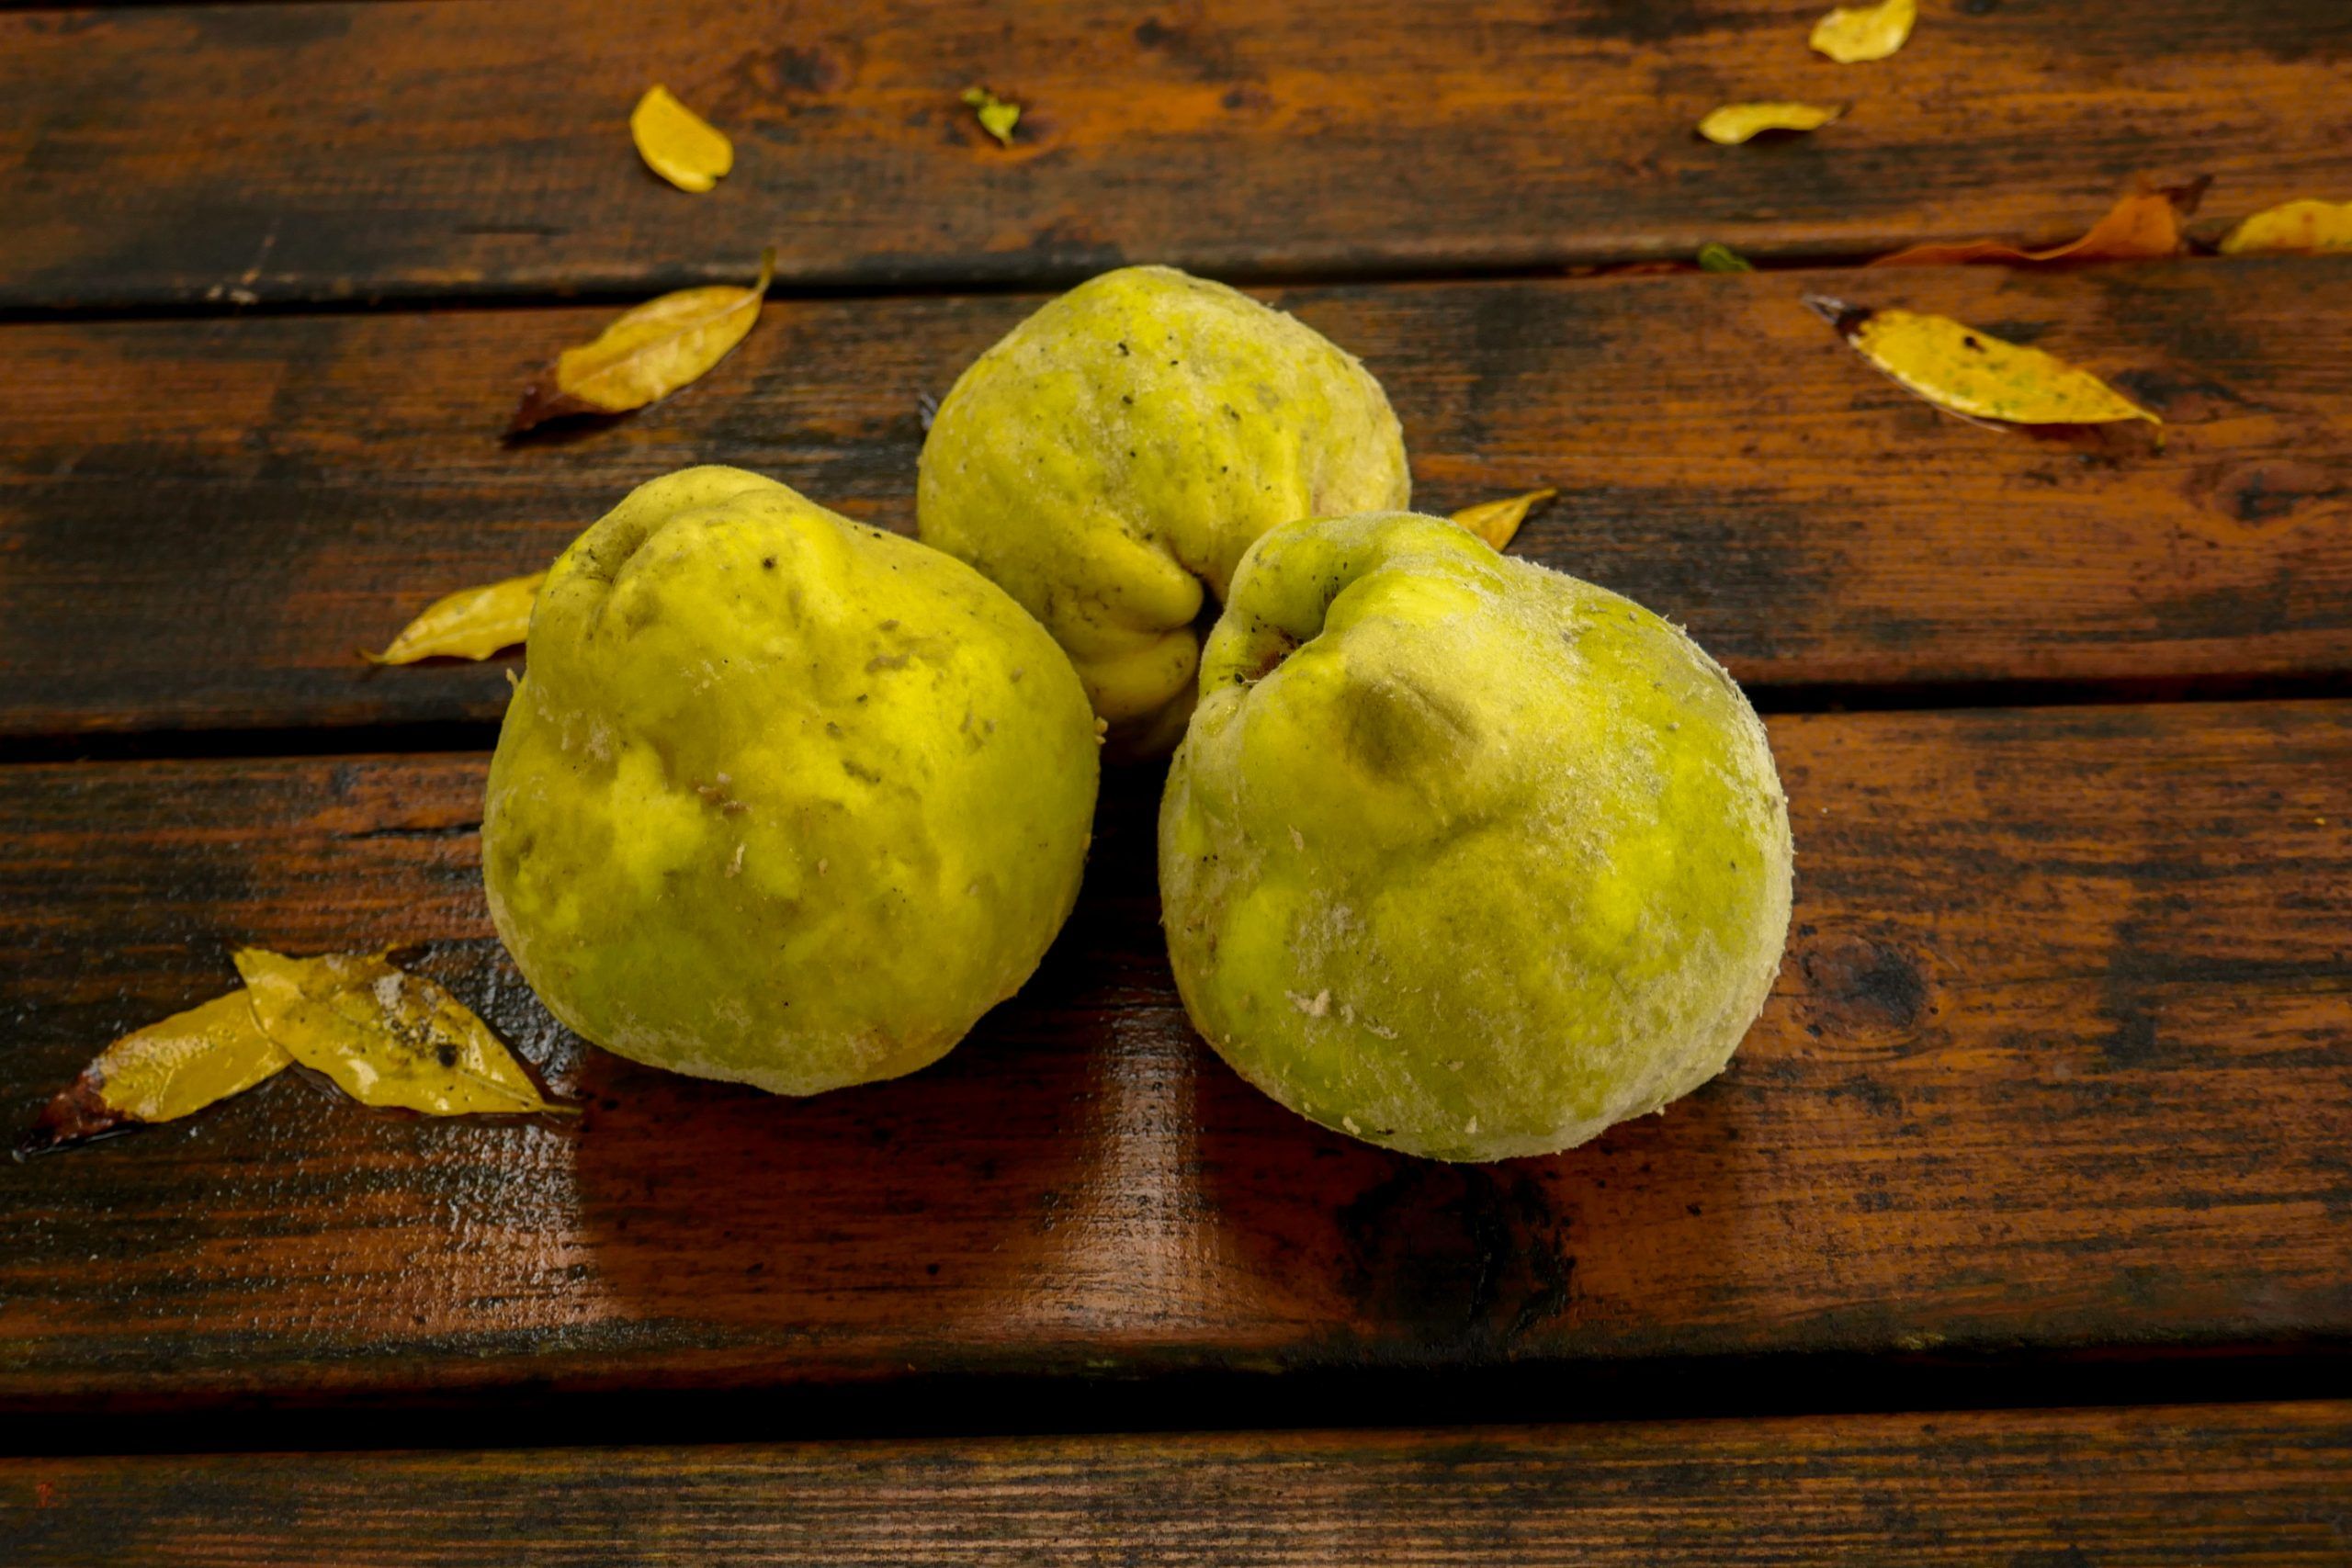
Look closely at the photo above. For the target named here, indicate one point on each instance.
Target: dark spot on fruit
(1393, 725)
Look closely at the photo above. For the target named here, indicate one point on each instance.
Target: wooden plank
(331, 150)
(2186, 1484)
(2058, 1061)
(203, 520)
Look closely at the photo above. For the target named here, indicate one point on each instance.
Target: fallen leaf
(2298, 226)
(648, 353)
(2148, 222)
(998, 116)
(1734, 123)
(388, 1038)
(1852, 33)
(472, 623)
(1496, 521)
(1975, 374)
(163, 1072)
(1714, 258)
(677, 143)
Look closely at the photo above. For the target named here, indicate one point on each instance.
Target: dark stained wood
(2056, 1062)
(2186, 1484)
(202, 520)
(331, 151)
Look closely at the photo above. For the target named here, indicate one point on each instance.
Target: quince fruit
(783, 799)
(1108, 462)
(1462, 856)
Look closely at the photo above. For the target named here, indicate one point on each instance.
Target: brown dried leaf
(386, 1037)
(163, 1072)
(647, 354)
(472, 623)
(2149, 221)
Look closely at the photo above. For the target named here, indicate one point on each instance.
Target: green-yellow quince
(1109, 461)
(1463, 856)
(784, 798)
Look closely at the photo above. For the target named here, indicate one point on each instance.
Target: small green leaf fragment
(997, 116)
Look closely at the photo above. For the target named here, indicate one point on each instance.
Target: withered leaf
(387, 1037)
(2294, 226)
(163, 1072)
(1854, 33)
(677, 143)
(997, 116)
(472, 623)
(1975, 374)
(1496, 522)
(2149, 221)
(1734, 123)
(647, 354)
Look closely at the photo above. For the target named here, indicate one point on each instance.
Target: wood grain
(2057, 1062)
(202, 521)
(2251, 1485)
(221, 153)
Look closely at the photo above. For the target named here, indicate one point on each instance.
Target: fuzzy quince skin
(1462, 856)
(1108, 462)
(783, 799)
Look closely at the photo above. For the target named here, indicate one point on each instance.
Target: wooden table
(2021, 1231)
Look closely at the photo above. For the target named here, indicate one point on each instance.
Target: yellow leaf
(1496, 521)
(677, 143)
(1852, 33)
(1975, 374)
(472, 623)
(164, 1071)
(998, 116)
(2149, 220)
(648, 353)
(1734, 123)
(385, 1036)
(2297, 226)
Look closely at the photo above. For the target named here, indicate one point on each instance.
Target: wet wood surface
(223, 153)
(204, 520)
(2048, 1104)
(2260, 1484)
(2056, 1063)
